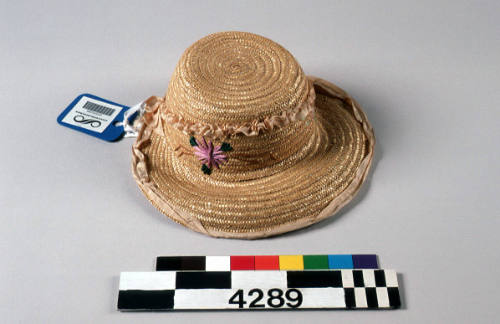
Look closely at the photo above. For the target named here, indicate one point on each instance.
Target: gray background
(72, 217)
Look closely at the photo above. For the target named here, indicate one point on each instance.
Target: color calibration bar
(254, 290)
(266, 262)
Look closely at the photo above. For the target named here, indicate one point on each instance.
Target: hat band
(253, 128)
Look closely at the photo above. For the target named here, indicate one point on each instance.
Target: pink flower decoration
(209, 154)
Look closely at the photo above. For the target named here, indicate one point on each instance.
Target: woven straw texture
(300, 146)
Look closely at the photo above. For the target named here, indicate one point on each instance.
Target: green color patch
(315, 261)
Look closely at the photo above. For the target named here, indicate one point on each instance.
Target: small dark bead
(206, 169)
(225, 147)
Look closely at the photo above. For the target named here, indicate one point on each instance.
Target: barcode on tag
(98, 108)
(91, 114)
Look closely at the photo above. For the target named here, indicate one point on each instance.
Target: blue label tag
(95, 116)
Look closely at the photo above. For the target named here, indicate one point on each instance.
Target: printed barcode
(98, 108)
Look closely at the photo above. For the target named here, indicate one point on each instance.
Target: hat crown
(233, 78)
(243, 145)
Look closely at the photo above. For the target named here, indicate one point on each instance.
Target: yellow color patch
(291, 262)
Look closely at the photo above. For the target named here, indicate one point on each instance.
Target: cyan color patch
(340, 261)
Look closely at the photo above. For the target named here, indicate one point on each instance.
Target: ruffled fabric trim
(254, 128)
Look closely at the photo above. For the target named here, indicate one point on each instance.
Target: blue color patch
(340, 261)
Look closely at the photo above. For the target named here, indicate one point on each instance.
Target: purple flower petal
(209, 154)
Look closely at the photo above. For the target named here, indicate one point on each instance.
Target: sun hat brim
(311, 190)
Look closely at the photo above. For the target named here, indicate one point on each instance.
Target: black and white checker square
(195, 290)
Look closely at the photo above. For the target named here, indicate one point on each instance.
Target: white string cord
(128, 125)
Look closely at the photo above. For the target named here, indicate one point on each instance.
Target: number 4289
(292, 298)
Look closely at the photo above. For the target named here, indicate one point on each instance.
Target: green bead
(225, 147)
(206, 169)
(192, 141)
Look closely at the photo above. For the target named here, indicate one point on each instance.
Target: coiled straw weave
(301, 146)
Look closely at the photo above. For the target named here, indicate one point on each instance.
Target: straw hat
(245, 145)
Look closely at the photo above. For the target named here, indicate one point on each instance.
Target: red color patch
(242, 262)
(267, 262)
